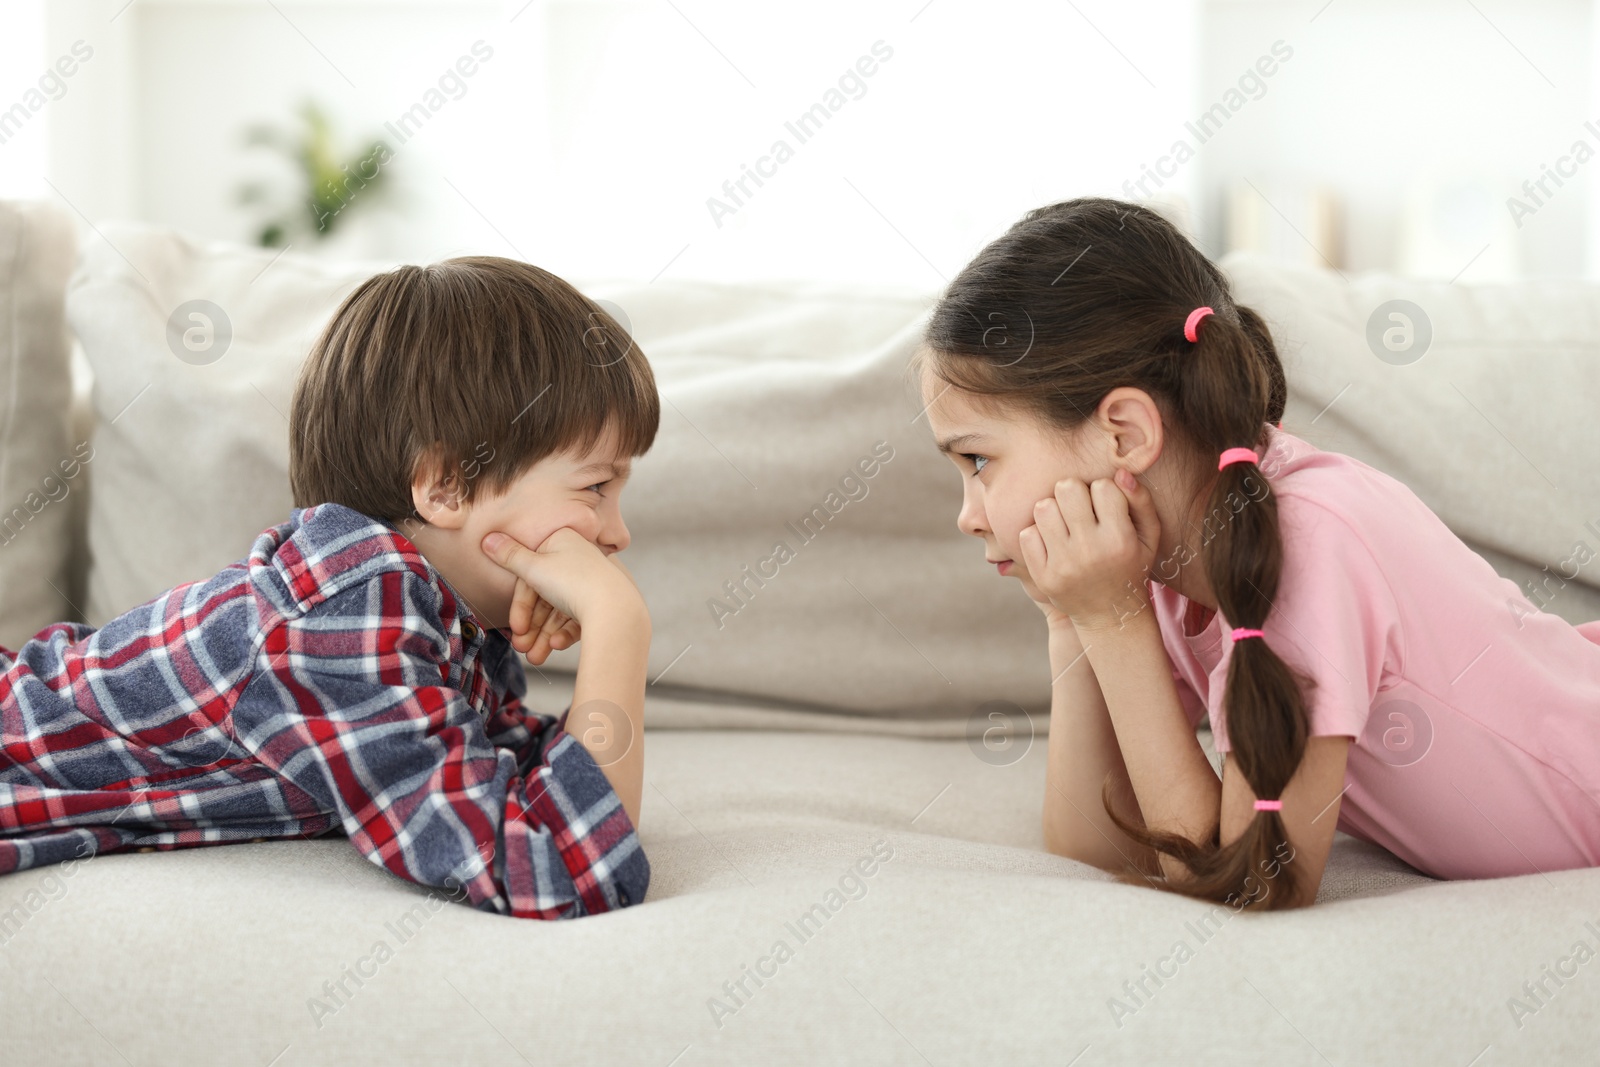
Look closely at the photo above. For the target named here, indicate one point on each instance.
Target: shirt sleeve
(363, 721)
(1194, 709)
(513, 725)
(1335, 620)
(1171, 626)
(75, 632)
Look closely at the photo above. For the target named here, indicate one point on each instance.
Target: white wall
(24, 138)
(593, 139)
(1425, 116)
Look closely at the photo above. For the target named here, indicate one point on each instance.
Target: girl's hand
(1052, 616)
(1090, 548)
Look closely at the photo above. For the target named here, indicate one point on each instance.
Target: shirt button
(148, 848)
(468, 630)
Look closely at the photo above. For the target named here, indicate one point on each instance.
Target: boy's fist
(569, 576)
(537, 628)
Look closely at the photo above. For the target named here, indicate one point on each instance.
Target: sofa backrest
(1482, 398)
(794, 529)
(43, 471)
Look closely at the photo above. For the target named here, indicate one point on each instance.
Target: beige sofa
(844, 869)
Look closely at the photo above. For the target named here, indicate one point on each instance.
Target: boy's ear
(437, 494)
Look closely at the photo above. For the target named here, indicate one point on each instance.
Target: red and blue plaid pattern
(333, 681)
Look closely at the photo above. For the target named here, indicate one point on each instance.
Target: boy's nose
(616, 539)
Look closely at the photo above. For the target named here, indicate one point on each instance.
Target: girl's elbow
(1058, 843)
(1068, 847)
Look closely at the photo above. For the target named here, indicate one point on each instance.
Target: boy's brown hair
(478, 366)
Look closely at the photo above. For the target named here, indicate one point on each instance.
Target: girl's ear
(1132, 420)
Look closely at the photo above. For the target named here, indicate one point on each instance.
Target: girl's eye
(977, 461)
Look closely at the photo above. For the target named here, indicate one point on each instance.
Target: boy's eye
(596, 486)
(977, 460)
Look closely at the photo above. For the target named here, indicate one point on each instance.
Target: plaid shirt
(332, 681)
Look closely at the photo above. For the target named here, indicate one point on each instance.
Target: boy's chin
(493, 616)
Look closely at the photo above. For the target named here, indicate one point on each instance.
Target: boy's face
(581, 491)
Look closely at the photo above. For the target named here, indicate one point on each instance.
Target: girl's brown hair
(1084, 296)
(478, 367)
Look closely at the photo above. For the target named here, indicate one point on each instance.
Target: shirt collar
(472, 628)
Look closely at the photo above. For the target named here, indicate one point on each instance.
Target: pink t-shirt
(1475, 716)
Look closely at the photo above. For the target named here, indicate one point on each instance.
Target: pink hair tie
(1193, 321)
(1236, 455)
(1241, 633)
(1269, 805)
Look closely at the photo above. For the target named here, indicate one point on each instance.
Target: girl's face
(1007, 465)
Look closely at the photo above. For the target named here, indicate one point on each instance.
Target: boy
(357, 671)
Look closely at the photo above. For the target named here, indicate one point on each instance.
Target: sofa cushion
(194, 348)
(793, 527)
(794, 530)
(1481, 398)
(44, 468)
(814, 899)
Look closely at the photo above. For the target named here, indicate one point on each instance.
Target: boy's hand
(615, 559)
(537, 628)
(571, 575)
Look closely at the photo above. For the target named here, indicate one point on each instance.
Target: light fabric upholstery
(192, 458)
(43, 471)
(969, 945)
(775, 568)
(774, 407)
(1496, 426)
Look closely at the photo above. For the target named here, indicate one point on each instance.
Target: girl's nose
(971, 519)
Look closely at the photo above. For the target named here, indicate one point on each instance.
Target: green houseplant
(328, 187)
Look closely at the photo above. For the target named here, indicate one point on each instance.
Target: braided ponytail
(1264, 703)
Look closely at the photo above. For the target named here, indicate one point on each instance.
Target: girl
(1112, 411)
